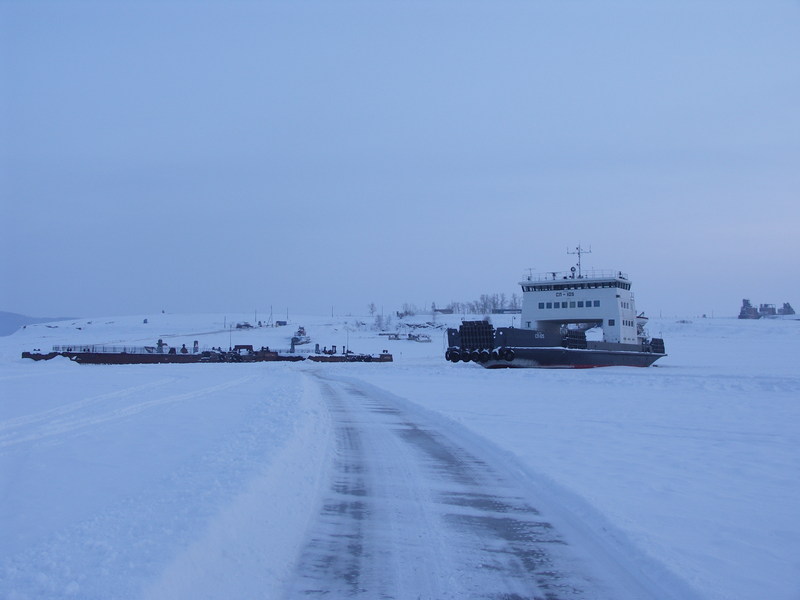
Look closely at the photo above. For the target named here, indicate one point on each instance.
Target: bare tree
(486, 304)
(382, 323)
(408, 310)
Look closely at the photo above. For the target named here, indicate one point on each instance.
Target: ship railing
(585, 274)
(102, 349)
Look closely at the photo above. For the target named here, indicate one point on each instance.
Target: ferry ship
(557, 310)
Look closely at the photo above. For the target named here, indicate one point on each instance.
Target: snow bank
(251, 545)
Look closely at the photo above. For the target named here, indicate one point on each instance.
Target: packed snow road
(416, 509)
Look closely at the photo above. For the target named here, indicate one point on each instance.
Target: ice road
(419, 509)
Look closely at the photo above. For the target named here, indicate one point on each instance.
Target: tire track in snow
(58, 411)
(413, 514)
(48, 425)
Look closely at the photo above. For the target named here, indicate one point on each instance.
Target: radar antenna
(580, 251)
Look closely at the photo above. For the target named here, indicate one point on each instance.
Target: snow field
(120, 479)
(199, 480)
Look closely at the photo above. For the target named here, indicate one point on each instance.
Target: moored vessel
(300, 337)
(323, 355)
(766, 311)
(161, 353)
(557, 310)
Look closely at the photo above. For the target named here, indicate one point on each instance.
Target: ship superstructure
(597, 298)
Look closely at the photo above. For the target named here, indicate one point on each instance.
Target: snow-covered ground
(178, 481)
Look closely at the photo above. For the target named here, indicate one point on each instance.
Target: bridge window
(541, 304)
(597, 302)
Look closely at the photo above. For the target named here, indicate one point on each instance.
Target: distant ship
(557, 310)
(766, 311)
(300, 337)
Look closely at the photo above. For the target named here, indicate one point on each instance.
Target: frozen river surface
(414, 480)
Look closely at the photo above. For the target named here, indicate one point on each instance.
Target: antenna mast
(580, 251)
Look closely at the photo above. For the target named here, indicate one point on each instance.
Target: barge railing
(118, 349)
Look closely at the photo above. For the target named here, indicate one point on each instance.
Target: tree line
(485, 304)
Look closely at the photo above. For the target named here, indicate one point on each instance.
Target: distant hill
(10, 322)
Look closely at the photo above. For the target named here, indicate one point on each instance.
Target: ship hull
(125, 358)
(341, 358)
(507, 347)
(568, 358)
(103, 358)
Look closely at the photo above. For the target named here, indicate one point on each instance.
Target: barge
(159, 354)
(347, 356)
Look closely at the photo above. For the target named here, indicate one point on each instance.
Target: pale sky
(232, 156)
